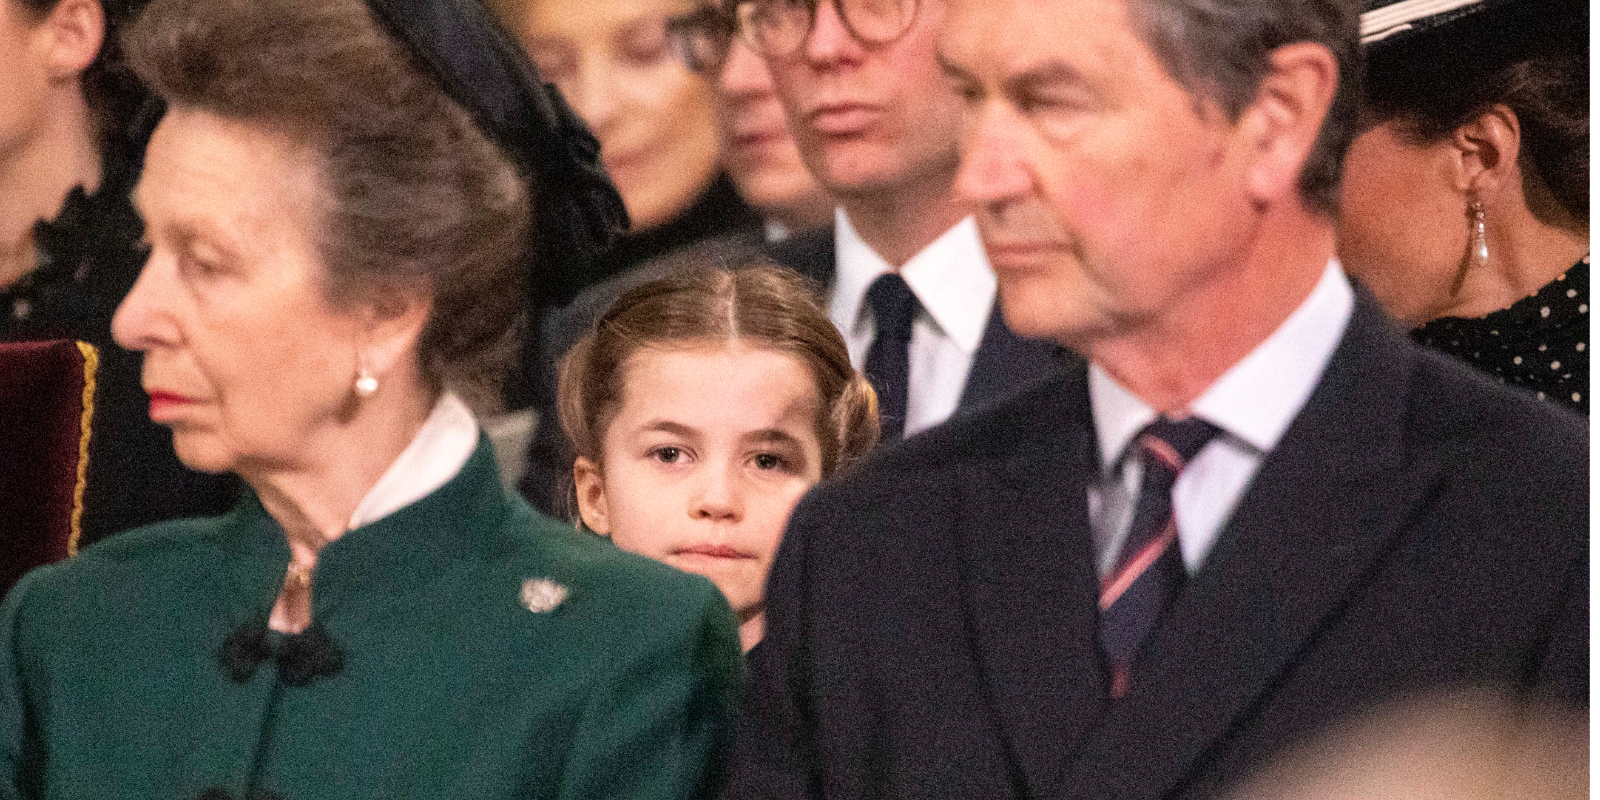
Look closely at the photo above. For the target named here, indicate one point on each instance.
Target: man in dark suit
(1256, 509)
(904, 275)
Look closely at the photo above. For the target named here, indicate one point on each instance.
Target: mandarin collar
(378, 563)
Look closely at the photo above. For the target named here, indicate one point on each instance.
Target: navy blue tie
(1149, 571)
(888, 366)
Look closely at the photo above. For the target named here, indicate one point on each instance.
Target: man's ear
(591, 496)
(1484, 152)
(1282, 123)
(393, 327)
(71, 36)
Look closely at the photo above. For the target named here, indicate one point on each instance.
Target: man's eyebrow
(1045, 74)
(952, 70)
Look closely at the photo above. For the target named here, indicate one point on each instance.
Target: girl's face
(615, 64)
(709, 452)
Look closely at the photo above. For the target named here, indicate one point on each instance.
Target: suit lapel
(1005, 361)
(1324, 508)
(1028, 580)
(810, 253)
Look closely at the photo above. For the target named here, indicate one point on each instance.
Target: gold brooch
(540, 595)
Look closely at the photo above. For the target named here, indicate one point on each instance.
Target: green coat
(111, 683)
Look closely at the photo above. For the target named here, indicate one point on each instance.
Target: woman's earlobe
(1488, 148)
(393, 329)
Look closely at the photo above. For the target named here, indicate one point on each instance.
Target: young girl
(701, 407)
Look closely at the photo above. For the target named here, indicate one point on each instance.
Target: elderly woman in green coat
(341, 204)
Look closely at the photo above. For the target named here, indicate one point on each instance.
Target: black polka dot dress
(1540, 343)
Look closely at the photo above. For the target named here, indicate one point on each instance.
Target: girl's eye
(666, 455)
(765, 461)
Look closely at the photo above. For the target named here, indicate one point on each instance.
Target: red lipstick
(165, 405)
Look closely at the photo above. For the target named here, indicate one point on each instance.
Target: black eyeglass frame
(740, 18)
(701, 38)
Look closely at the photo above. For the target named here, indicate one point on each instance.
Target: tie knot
(893, 306)
(1171, 443)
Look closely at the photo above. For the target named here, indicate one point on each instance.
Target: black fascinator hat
(1395, 21)
(577, 212)
(1395, 26)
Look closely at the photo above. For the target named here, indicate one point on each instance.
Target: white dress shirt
(955, 287)
(1253, 403)
(437, 454)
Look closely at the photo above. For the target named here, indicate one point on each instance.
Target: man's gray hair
(1219, 49)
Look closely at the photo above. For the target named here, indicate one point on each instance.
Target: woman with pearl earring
(347, 205)
(1464, 206)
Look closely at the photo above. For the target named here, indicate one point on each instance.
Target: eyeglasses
(778, 28)
(701, 38)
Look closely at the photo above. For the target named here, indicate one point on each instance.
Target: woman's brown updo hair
(422, 200)
(758, 305)
(1529, 56)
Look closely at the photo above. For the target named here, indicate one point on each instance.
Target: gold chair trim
(91, 364)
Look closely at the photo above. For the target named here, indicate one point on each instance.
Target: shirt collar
(950, 277)
(436, 455)
(1257, 398)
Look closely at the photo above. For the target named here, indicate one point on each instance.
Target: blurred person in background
(615, 63)
(70, 150)
(702, 406)
(757, 150)
(1472, 744)
(336, 202)
(1465, 205)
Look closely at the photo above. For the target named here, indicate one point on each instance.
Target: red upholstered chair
(46, 401)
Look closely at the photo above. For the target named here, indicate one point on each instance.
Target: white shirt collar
(950, 277)
(437, 454)
(1257, 398)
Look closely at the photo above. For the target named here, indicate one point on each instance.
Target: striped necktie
(1149, 570)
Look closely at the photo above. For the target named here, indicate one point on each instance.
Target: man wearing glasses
(878, 126)
(757, 150)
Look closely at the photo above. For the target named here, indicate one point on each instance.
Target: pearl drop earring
(1477, 253)
(366, 384)
(1477, 242)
